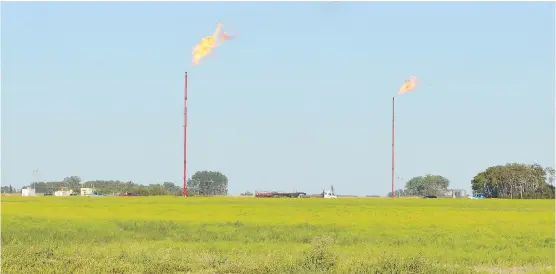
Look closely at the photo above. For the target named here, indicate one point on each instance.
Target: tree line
(8, 189)
(510, 181)
(515, 181)
(202, 183)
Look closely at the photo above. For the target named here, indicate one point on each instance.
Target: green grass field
(248, 235)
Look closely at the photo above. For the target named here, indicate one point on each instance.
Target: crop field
(248, 235)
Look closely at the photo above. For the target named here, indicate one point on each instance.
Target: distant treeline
(9, 189)
(202, 183)
(108, 187)
(510, 181)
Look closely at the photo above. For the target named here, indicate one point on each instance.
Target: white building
(328, 194)
(86, 191)
(63, 193)
(27, 192)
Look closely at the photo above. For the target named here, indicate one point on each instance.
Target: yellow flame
(208, 44)
(409, 85)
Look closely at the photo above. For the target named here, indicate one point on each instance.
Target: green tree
(171, 187)
(426, 185)
(207, 183)
(155, 189)
(72, 182)
(551, 175)
(40, 187)
(514, 181)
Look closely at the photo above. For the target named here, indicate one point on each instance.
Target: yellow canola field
(265, 235)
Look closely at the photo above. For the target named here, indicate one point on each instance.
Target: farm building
(63, 193)
(27, 192)
(86, 191)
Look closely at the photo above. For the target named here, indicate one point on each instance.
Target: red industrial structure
(393, 100)
(185, 138)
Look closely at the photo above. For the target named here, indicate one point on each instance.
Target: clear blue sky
(301, 99)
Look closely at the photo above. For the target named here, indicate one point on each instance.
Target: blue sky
(301, 99)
